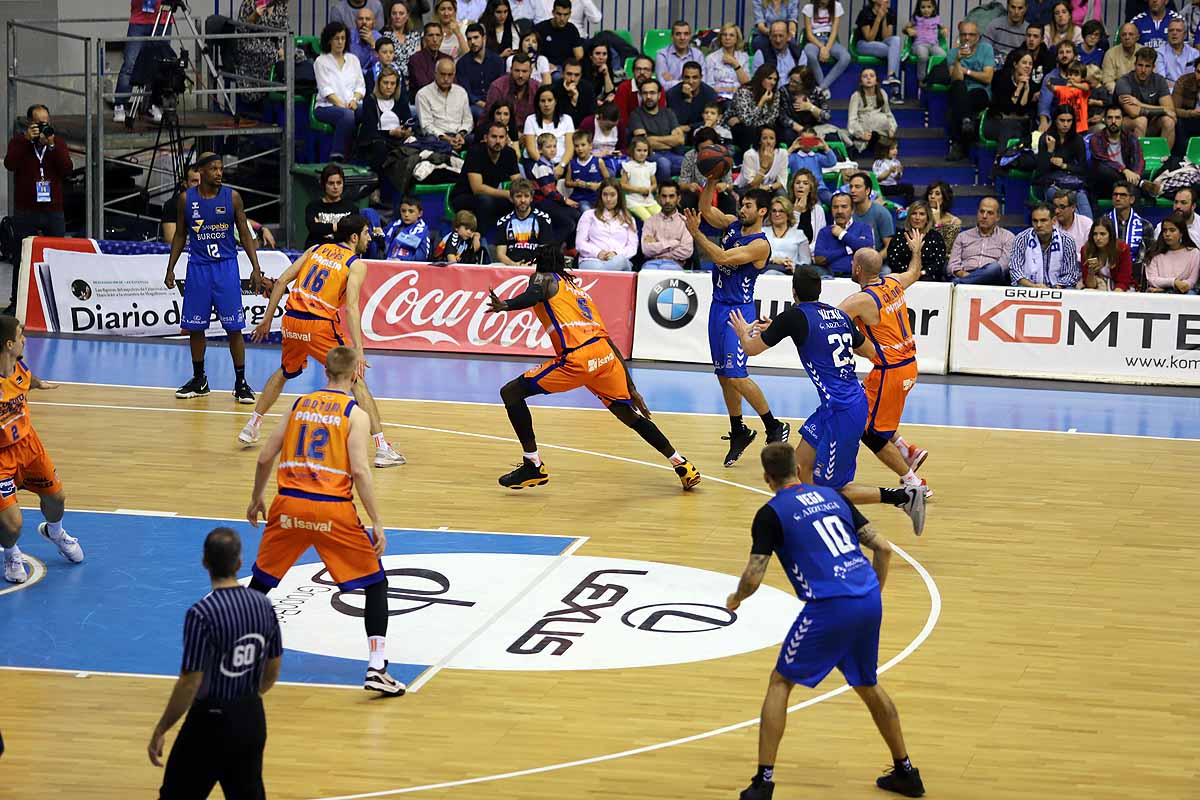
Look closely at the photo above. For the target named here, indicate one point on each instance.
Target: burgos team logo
(673, 303)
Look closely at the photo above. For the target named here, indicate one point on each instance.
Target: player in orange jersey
(585, 356)
(324, 443)
(24, 462)
(330, 276)
(881, 313)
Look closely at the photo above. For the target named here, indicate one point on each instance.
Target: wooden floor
(1063, 665)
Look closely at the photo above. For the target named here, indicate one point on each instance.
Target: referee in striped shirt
(231, 657)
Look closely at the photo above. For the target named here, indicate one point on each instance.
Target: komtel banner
(125, 295)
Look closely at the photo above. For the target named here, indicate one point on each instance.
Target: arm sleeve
(534, 293)
(360, 82)
(766, 532)
(860, 521)
(856, 336)
(791, 323)
(631, 241)
(195, 642)
(323, 71)
(655, 248)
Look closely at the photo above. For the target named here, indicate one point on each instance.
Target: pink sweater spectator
(595, 235)
(670, 238)
(1166, 268)
(1083, 10)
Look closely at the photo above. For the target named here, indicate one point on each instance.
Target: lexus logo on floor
(673, 303)
(679, 618)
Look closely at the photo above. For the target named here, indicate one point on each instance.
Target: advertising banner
(1116, 337)
(672, 318)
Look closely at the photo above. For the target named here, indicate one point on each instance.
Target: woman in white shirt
(546, 118)
(607, 236)
(530, 43)
(727, 67)
(821, 21)
(766, 167)
(789, 245)
(454, 42)
(807, 211)
(340, 88)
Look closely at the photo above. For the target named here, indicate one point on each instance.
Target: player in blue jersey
(737, 262)
(816, 534)
(827, 341)
(208, 215)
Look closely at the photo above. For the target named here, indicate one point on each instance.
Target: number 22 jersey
(825, 339)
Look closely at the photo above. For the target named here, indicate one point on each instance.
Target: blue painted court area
(414, 377)
(122, 609)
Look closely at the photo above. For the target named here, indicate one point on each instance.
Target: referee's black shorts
(220, 742)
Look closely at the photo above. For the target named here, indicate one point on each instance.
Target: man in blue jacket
(836, 242)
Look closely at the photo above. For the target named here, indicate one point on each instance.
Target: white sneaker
(118, 113)
(14, 568)
(68, 546)
(156, 113)
(378, 680)
(249, 434)
(387, 457)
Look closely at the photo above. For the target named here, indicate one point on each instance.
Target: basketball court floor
(570, 641)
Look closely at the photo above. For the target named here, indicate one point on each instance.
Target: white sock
(380, 442)
(534, 457)
(255, 419)
(910, 479)
(54, 529)
(12, 552)
(676, 459)
(902, 445)
(378, 652)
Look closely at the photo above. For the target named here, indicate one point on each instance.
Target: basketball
(714, 161)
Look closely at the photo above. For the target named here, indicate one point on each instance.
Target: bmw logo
(673, 303)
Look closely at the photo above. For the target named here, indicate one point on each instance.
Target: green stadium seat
(1156, 152)
(437, 188)
(859, 58)
(654, 40)
(1193, 150)
(840, 149)
(627, 36)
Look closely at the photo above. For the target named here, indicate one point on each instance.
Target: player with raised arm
(324, 442)
(827, 341)
(330, 276)
(742, 255)
(24, 462)
(585, 355)
(880, 311)
(816, 534)
(207, 216)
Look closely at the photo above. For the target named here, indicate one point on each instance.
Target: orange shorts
(887, 389)
(332, 527)
(26, 465)
(305, 338)
(593, 365)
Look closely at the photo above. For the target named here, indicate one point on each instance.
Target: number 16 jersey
(825, 338)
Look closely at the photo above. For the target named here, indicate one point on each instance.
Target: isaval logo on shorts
(288, 523)
(673, 303)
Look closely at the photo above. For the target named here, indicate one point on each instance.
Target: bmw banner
(671, 317)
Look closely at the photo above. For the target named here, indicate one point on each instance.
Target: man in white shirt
(533, 10)
(1176, 56)
(668, 63)
(1185, 203)
(584, 15)
(1075, 225)
(443, 107)
(666, 242)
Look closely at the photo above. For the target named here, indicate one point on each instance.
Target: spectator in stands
(1105, 262)
(1186, 99)
(521, 231)
(549, 119)
(585, 171)
(1043, 257)
(533, 10)
(608, 137)
(346, 12)
(1131, 228)
(1191, 17)
(781, 52)
(1152, 23)
(629, 96)
(321, 215)
(517, 87)
(763, 167)
(1013, 111)
(607, 237)
(407, 238)
(487, 165)
(340, 88)
(404, 34)
(1044, 59)
(1121, 60)
(463, 245)
(877, 36)
(926, 31)
(727, 67)
(1173, 262)
(1185, 206)
(980, 255)
(560, 39)
(386, 126)
(888, 172)
(1175, 58)
(972, 65)
(1116, 155)
(545, 173)
(933, 248)
(576, 96)
(454, 43)
(669, 63)
(802, 106)
(501, 113)
(385, 56)
(142, 14)
(1006, 32)
(423, 63)
(835, 244)
(530, 42)
(789, 246)
(940, 198)
(1065, 56)
(666, 243)
(444, 108)
(503, 36)
(363, 37)
(872, 214)
(711, 118)
(1068, 219)
(870, 116)
(822, 22)
(690, 95)
(691, 182)
(1062, 163)
(584, 15)
(256, 57)
(661, 129)
(478, 69)
(807, 212)
(810, 152)
(1091, 52)
(766, 14)
(599, 74)
(754, 106)
(1146, 100)
(1062, 27)
(638, 179)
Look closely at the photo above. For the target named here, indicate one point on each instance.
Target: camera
(170, 79)
(44, 129)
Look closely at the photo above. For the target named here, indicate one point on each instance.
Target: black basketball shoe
(758, 791)
(901, 782)
(196, 387)
(526, 475)
(779, 434)
(243, 393)
(738, 442)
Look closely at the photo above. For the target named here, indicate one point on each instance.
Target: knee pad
(874, 441)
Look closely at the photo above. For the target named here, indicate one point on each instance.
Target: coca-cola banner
(411, 306)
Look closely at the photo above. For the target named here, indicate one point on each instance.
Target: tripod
(180, 156)
(162, 24)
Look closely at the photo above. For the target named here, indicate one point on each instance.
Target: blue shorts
(840, 632)
(728, 357)
(834, 434)
(213, 285)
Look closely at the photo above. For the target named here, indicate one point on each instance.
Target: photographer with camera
(142, 16)
(39, 161)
